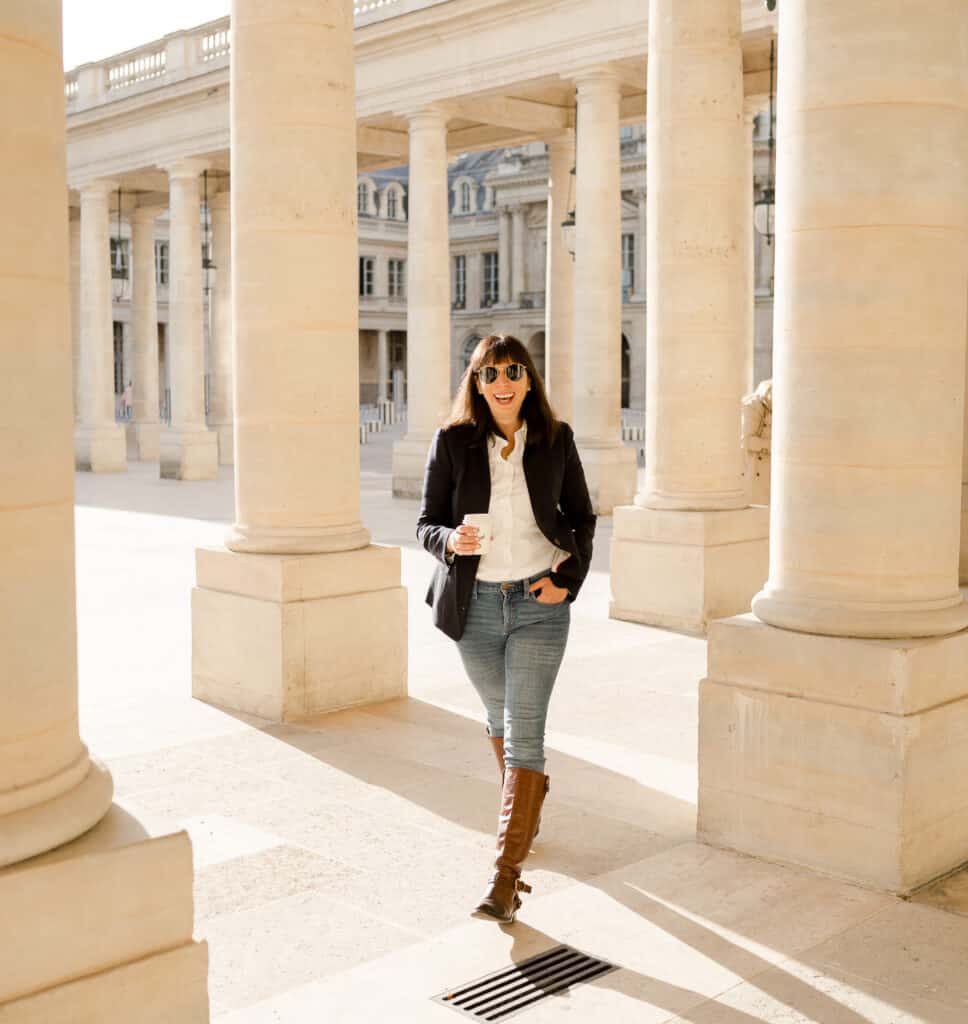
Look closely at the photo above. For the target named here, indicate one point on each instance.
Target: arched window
(468, 350)
(362, 198)
(392, 203)
(465, 197)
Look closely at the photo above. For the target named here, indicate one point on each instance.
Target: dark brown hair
(471, 408)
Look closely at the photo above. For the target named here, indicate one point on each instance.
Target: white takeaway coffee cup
(482, 520)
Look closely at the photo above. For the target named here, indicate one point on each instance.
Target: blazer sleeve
(434, 522)
(576, 506)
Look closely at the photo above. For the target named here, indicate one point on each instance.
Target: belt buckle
(505, 587)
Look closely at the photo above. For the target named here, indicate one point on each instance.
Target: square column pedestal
(100, 930)
(144, 439)
(680, 570)
(100, 449)
(409, 463)
(611, 473)
(288, 636)
(188, 454)
(842, 755)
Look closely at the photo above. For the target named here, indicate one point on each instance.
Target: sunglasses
(514, 371)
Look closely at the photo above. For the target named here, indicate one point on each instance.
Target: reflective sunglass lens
(515, 371)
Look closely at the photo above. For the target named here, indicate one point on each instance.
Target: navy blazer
(458, 481)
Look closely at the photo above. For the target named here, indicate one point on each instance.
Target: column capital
(603, 77)
(431, 115)
(189, 167)
(97, 187)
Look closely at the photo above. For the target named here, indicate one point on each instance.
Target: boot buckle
(520, 886)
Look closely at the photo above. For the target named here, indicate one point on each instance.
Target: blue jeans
(512, 649)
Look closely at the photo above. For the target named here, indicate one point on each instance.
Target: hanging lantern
(119, 272)
(568, 224)
(764, 207)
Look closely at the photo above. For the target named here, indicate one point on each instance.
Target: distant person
(127, 401)
(504, 584)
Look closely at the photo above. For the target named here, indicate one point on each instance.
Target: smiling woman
(506, 464)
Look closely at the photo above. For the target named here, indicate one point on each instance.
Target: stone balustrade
(180, 55)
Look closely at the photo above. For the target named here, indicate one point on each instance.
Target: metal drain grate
(504, 993)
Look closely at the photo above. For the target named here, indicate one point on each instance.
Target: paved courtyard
(337, 861)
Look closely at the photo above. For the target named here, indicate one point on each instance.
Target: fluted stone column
(517, 257)
(189, 450)
(559, 281)
(99, 442)
(75, 309)
(428, 300)
(832, 721)
(55, 969)
(610, 466)
(300, 614)
(503, 256)
(145, 426)
(692, 549)
(220, 402)
(639, 285)
(382, 365)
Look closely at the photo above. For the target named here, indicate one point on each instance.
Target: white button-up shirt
(518, 548)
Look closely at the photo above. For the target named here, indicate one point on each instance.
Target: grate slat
(512, 990)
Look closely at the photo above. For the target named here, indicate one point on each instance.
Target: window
(460, 282)
(363, 198)
(118, 357)
(625, 133)
(161, 263)
(392, 204)
(395, 278)
(465, 197)
(628, 263)
(119, 258)
(366, 275)
(490, 278)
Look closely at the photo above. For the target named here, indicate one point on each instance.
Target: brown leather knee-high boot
(497, 744)
(521, 798)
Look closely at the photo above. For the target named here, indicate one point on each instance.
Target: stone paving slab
(337, 860)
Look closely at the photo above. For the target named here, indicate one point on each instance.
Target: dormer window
(363, 198)
(465, 197)
(392, 204)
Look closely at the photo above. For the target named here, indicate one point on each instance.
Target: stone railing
(181, 55)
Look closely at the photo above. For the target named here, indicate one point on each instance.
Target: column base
(226, 443)
(100, 449)
(611, 472)
(188, 454)
(290, 636)
(409, 463)
(103, 931)
(680, 570)
(144, 441)
(846, 756)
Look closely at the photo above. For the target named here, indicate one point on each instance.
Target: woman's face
(504, 397)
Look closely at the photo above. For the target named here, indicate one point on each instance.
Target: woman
(504, 453)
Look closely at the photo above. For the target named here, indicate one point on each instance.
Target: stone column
(220, 401)
(75, 311)
(189, 450)
(145, 427)
(559, 280)
(639, 285)
(963, 561)
(610, 466)
(99, 442)
(301, 614)
(692, 549)
(503, 256)
(517, 257)
(382, 365)
(51, 791)
(474, 282)
(832, 723)
(428, 301)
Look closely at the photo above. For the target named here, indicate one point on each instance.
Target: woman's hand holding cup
(465, 540)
